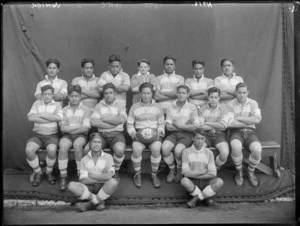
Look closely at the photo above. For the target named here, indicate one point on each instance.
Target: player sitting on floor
(74, 126)
(199, 170)
(244, 114)
(96, 177)
(45, 114)
(146, 115)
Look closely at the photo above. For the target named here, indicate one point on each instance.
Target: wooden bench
(270, 150)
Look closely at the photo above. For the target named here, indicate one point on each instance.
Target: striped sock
(118, 161)
(136, 162)
(34, 164)
(50, 164)
(252, 163)
(62, 166)
(155, 163)
(219, 162)
(86, 194)
(208, 192)
(169, 160)
(237, 161)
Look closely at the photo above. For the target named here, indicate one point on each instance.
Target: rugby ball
(147, 135)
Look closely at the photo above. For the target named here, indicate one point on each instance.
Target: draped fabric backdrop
(251, 34)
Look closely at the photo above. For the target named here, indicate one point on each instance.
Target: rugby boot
(209, 202)
(50, 178)
(155, 180)
(137, 179)
(171, 176)
(252, 178)
(193, 202)
(117, 176)
(178, 176)
(238, 178)
(84, 206)
(63, 183)
(37, 179)
(100, 206)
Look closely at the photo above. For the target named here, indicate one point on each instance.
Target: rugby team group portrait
(176, 117)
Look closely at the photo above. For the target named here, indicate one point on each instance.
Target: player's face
(144, 68)
(146, 95)
(52, 70)
(182, 94)
(242, 94)
(47, 96)
(96, 144)
(74, 98)
(109, 95)
(169, 66)
(214, 99)
(198, 70)
(88, 70)
(199, 140)
(227, 67)
(115, 67)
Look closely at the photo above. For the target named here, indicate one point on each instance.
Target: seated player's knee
(223, 150)
(184, 181)
(78, 146)
(71, 186)
(167, 148)
(30, 150)
(119, 149)
(256, 149)
(51, 150)
(113, 182)
(217, 183)
(178, 150)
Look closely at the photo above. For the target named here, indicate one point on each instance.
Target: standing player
(88, 82)
(142, 76)
(74, 126)
(199, 170)
(146, 114)
(168, 82)
(198, 84)
(117, 76)
(227, 81)
(96, 182)
(181, 122)
(60, 86)
(245, 113)
(215, 123)
(109, 117)
(45, 114)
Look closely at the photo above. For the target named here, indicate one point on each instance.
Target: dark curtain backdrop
(251, 34)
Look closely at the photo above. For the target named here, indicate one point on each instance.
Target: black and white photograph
(150, 112)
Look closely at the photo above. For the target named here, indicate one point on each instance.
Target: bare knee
(119, 150)
(51, 150)
(113, 182)
(31, 151)
(217, 184)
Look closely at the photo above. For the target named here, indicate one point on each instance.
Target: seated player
(199, 170)
(215, 123)
(96, 182)
(168, 82)
(117, 76)
(227, 81)
(88, 82)
(60, 86)
(181, 122)
(74, 126)
(45, 114)
(244, 114)
(109, 118)
(146, 114)
(142, 76)
(198, 84)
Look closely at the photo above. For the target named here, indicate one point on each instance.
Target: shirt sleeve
(185, 162)
(84, 174)
(96, 113)
(211, 167)
(64, 88)
(230, 114)
(34, 109)
(38, 89)
(180, 81)
(74, 82)
(58, 110)
(188, 83)
(210, 83)
(161, 121)
(110, 164)
(64, 121)
(102, 80)
(87, 118)
(218, 84)
(130, 121)
(154, 81)
(255, 111)
(169, 116)
(224, 117)
(122, 112)
(126, 79)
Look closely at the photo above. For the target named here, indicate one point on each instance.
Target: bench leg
(274, 166)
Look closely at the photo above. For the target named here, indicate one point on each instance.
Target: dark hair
(113, 58)
(225, 59)
(183, 87)
(194, 62)
(213, 90)
(143, 61)
(75, 88)
(240, 85)
(146, 85)
(96, 134)
(53, 61)
(46, 87)
(199, 131)
(169, 57)
(87, 60)
(109, 86)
